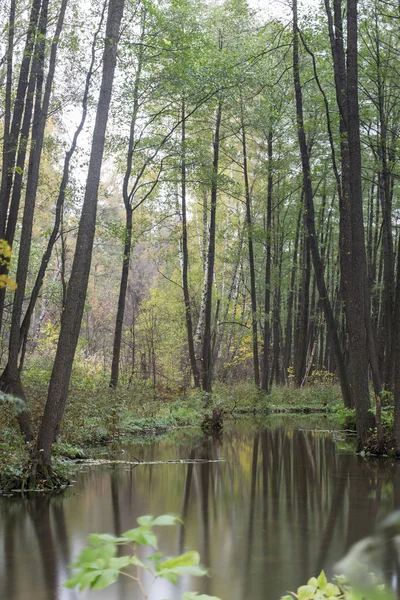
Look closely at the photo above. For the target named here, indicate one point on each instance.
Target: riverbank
(98, 415)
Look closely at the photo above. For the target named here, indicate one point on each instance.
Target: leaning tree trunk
(60, 198)
(10, 380)
(75, 301)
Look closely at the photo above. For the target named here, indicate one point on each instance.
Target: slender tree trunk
(19, 104)
(61, 195)
(77, 287)
(11, 376)
(253, 293)
(267, 284)
(127, 198)
(7, 113)
(287, 352)
(207, 338)
(185, 258)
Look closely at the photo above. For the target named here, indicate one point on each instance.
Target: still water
(288, 501)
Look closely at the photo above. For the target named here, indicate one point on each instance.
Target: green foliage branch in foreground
(98, 565)
(320, 589)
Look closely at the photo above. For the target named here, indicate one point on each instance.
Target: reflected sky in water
(285, 503)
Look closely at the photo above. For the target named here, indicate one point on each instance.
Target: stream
(284, 498)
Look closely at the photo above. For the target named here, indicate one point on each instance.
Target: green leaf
(187, 559)
(313, 581)
(97, 540)
(86, 557)
(332, 590)
(142, 536)
(120, 562)
(322, 580)
(145, 520)
(166, 520)
(107, 578)
(173, 574)
(83, 579)
(305, 592)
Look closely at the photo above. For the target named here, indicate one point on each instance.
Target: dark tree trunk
(267, 284)
(287, 352)
(310, 222)
(77, 287)
(253, 294)
(352, 248)
(19, 104)
(185, 258)
(355, 272)
(303, 312)
(127, 198)
(11, 376)
(207, 337)
(122, 297)
(60, 198)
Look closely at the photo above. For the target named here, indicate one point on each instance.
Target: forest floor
(98, 415)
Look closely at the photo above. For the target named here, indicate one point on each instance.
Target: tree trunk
(253, 294)
(310, 222)
(77, 287)
(207, 338)
(267, 285)
(61, 195)
(185, 258)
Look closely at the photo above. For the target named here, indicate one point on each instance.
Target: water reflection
(284, 505)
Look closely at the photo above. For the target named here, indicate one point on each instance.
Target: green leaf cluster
(98, 565)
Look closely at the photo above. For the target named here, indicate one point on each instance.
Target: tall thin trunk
(11, 376)
(127, 198)
(19, 104)
(267, 284)
(253, 294)
(207, 341)
(185, 257)
(7, 108)
(287, 352)
(61, 194)
(77, 287)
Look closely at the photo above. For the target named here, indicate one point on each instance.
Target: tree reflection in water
(284, 505)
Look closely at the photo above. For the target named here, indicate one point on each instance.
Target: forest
(199, 247)
(197, 194)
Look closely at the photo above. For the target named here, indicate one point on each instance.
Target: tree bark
(253, 293)
(207, 338)
(185, 258)
(77, 287)
(310, 221)
(267, 285)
